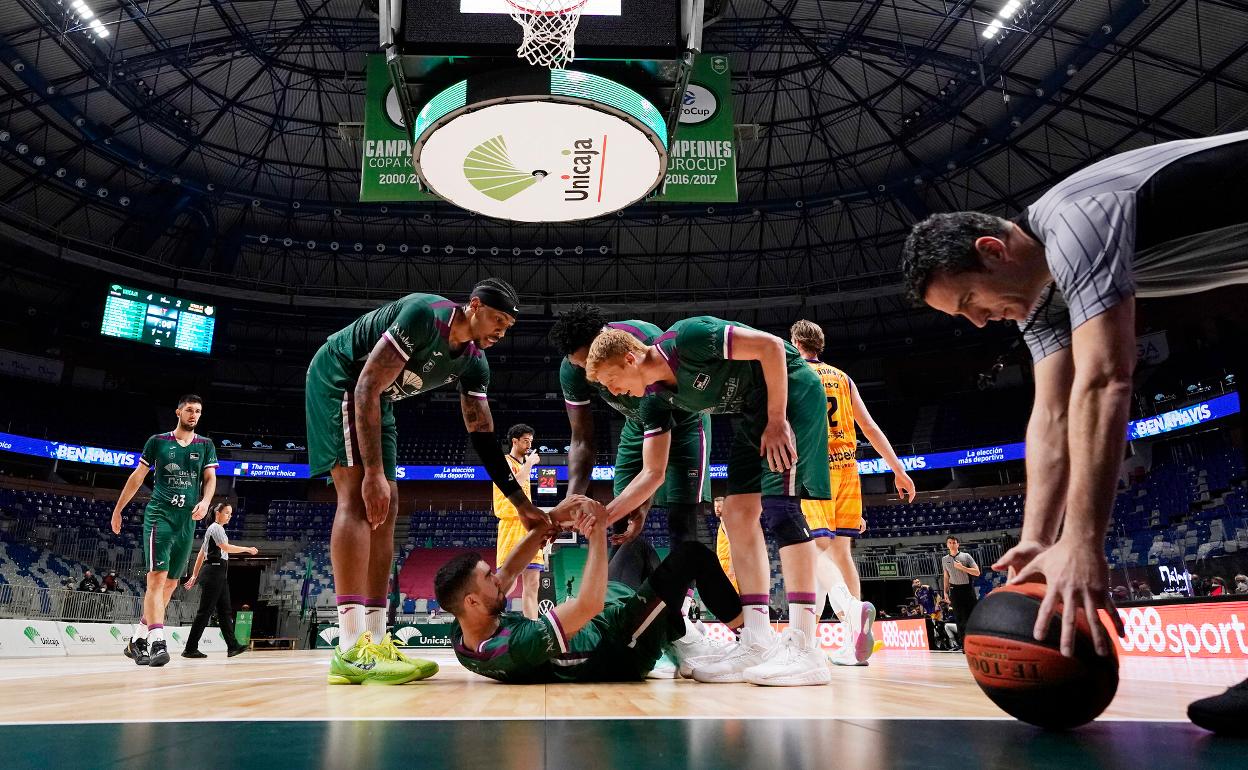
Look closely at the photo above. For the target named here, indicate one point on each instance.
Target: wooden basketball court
(274, 709)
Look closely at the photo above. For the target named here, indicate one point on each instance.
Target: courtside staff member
(214, 560)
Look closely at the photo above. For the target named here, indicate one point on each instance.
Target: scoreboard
(158, 319)
(547, 481)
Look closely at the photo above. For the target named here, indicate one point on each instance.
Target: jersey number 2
(832, 406)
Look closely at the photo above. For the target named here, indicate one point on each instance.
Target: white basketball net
(549, 30)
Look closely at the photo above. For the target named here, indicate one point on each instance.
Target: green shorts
(688, 477)
(329, 400)
(808, 416)
(167, 542)
(632, 633)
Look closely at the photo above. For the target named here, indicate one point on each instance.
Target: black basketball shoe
(139, 653)
(128, 650)
(1225, 714)
(160, 654)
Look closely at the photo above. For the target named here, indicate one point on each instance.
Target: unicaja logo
(488, 168)
(32, 633)
(583, 156)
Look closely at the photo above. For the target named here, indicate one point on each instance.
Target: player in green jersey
(185, 478)
(407, 347)
(685, 482)
(779, 456)
(626, 615)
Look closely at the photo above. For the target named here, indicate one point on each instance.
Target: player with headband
(402, 349)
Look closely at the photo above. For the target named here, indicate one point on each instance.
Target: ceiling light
(993, 28)
(1009, 9)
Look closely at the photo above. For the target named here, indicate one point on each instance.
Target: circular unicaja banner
(540, 161)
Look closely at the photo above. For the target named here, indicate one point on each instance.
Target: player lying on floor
(626, 615)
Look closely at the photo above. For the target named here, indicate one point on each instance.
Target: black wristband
(486, 446)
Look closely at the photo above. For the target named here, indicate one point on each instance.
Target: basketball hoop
(549, 30)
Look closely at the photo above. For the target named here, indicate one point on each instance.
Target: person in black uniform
(213, 559)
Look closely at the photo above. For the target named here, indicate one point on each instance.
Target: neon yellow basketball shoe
(366, 663)
(427, 668)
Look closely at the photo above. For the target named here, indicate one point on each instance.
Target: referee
(1159, 221)
(214, 560)
(958, 568)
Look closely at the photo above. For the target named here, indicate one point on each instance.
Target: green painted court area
(625, 743)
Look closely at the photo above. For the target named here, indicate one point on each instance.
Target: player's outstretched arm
(522, 554)
(480, 424)
(862, 416)
(654, 453)
(581, 456)
(127, 494)
(574, 614)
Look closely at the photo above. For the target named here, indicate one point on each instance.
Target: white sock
(350, 625)
(829, 579)
(757, 616)
(140, 632)
(847, 600)
(802, 616)
(687, 604)
(375, 622)
(156, 634)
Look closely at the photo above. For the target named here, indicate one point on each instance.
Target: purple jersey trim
(633, 330)
(480, 653)
(395, 344)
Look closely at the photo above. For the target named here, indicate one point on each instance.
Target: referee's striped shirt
(1158, 221)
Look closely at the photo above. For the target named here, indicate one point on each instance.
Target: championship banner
(908, 634)
(702, 161)
(94, 638)
(387, 174)
(30, 639)
(1206, 630)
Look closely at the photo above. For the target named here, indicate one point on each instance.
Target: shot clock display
(547, 481)
(158, 319)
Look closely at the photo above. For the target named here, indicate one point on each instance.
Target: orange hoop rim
(571, 8)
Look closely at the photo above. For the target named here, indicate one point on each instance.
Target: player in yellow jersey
(835, 523)
(723, 551)
(520, 458)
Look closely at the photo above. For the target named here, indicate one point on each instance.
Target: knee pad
(783, 517)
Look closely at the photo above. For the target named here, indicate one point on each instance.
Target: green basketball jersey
(419, 328)
(524, 651)
(699, 352)
(577, 388)
(177, 471)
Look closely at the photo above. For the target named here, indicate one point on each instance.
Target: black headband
(494, 297)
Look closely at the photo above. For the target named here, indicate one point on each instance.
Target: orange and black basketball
(1031, 680)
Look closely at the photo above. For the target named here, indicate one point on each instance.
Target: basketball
(1030, 680)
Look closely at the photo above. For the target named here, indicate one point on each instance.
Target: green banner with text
(387, 175)
(702, 162)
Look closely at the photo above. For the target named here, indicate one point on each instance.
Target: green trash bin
(242, 627)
